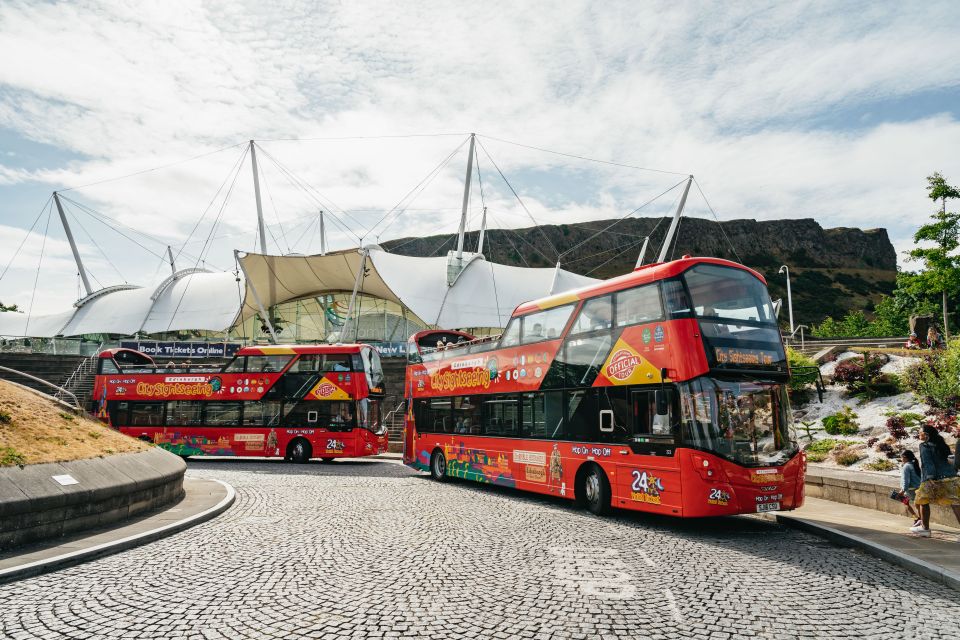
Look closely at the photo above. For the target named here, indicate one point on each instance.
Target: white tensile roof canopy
(483, 294)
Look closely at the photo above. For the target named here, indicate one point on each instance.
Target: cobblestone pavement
(372, 549)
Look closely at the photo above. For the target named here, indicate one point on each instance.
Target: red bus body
(295, 402)
(584, 390)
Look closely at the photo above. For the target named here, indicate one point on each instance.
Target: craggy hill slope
(834, 270)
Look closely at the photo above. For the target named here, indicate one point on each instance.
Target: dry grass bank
(34, 430)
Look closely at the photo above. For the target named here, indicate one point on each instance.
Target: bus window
(541, 414)
(183, 413)
(639, 305)
(545, 325)
(236, 365)
(373, 368)
(306, 363)
(466, 414)
(118, 413)
(107, 365)
(729, 294)
(583, 416)
(511, 335)
(369, 414)
(615, 400)
(266, 364)
(676, 300)
(336, 362)
(221, 414)
(583, 358)
(500, 416)
(146, 414)
(596, 315)
(261, 414)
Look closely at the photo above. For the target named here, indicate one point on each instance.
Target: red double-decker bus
(662, 390)
(296, 402)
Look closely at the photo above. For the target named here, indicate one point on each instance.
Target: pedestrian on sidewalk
(910, 482)
(939, 483)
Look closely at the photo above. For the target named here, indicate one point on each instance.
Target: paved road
(371, 549)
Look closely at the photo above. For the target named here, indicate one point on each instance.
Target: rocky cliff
(833, 270)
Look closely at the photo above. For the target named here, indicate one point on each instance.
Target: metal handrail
(76, 402)
(388, 419)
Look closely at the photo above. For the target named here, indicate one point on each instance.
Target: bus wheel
(438, 466)
(299, 451)
(593, 491)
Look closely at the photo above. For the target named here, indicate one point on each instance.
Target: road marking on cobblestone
(597, 572)
(672, 602)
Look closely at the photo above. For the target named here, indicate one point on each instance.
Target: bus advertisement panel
(295, 402)
(663, 390)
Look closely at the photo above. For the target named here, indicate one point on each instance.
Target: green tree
(941, 273)
(11, 307)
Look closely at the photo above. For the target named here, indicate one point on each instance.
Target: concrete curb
(938, 574)
(116, 546)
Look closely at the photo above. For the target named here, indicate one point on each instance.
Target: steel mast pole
(173, 266)
(785, 269)
(73, 244)
(643, 252)
(323, 236)
(483, 231)
(256, 193)
(673, 223)
(466, 198)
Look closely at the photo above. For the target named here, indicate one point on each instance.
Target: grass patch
(10, 457)
(908, 353)
(5, 417)
(94, 435)
(69, 417)
(820, 450)
(881, 464)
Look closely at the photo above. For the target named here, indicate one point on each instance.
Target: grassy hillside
(34, 430)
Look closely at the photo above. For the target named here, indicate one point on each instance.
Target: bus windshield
(747, 422)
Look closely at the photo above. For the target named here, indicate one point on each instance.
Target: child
(909, 482)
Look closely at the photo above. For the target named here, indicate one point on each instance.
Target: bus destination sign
(750, 357)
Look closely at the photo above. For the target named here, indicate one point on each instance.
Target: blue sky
(830, 110)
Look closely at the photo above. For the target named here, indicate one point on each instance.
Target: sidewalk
(203, 500)
(883, 535)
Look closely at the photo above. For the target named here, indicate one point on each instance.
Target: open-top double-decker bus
(297, 402)
(662, 390)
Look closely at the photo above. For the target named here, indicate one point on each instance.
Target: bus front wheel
(593, 490)
(299, 451)
(438, 466)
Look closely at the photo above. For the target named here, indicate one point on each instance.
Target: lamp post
(786, 269)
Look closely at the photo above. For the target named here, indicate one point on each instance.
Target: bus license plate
(768, 506)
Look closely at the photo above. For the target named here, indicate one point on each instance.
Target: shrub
(872, 441)
(943, 420)
(819, 450)
(5, 417)
(841, 423)
(800, 380)
(881, 464)
(936, 378)
(862, 376)
(847, 455)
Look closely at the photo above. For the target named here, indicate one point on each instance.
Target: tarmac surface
(370, 548)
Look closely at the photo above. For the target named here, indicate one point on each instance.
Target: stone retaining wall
(34, 506)
(866, 489)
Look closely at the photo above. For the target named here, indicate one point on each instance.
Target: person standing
(909, 482)
(939, 483)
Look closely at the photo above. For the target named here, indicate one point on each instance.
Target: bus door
(647, 472)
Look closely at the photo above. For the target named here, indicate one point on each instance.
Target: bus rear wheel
(438, 466)
(593, 491)
(299, 451)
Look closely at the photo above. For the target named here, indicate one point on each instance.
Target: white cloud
(722, 91)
